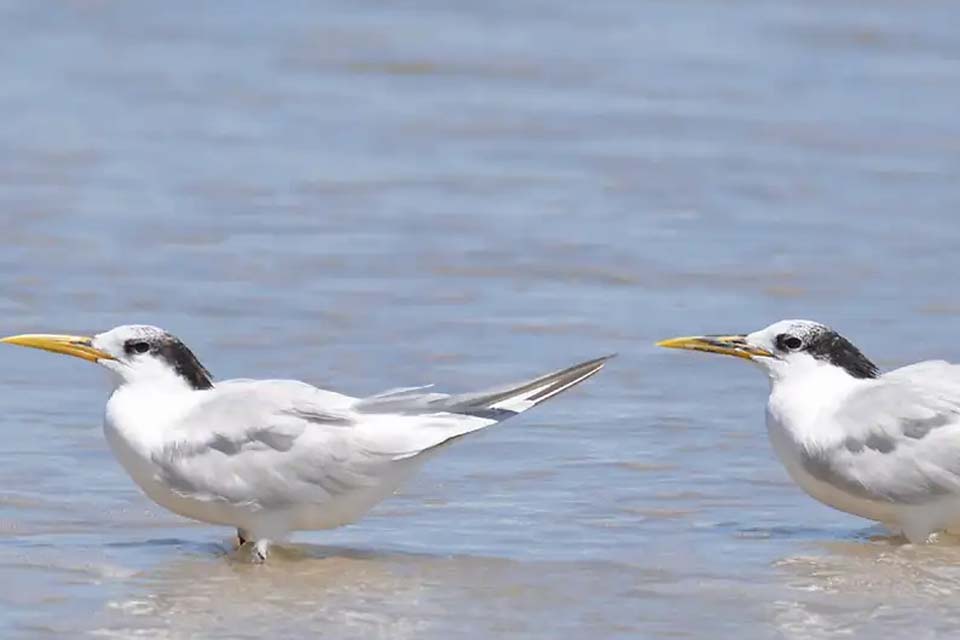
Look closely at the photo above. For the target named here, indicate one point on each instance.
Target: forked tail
(501, 403)
(494, 404)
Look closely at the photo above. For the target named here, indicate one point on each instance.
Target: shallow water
(369, 195)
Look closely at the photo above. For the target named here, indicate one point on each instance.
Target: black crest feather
(831, 346)
(169, 349)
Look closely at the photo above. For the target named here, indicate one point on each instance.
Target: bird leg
(255, 550)
(260, 549)
(242, 537)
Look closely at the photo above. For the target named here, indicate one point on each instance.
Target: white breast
(790, 453)
(797, 422)
(134, 425)
(139, 424)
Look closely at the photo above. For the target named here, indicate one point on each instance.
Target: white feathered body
(268, 456)
(885, 448)
(275, 456)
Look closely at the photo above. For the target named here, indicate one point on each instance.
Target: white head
(134, 353)
(788, 347)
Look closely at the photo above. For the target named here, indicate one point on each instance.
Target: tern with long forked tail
(274, 456)
(883, 446)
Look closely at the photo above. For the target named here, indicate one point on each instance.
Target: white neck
(141, 411)
(802, 394)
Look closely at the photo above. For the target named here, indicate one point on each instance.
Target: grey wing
(269, 443)
(903, 442)
(496, 404)
(425, 421)
(273, 442)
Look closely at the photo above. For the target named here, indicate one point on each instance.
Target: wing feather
(283, 442)
(903, 442)
(267, 442)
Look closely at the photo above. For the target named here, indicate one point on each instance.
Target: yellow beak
(77, 346)
(727, 345)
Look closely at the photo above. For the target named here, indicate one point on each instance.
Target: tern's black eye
(787, 342)
(136, 346)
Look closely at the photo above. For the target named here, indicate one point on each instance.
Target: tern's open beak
(77, 346)
(727, 345)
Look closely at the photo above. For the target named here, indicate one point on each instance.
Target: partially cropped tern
(883, 446)
(273, 456)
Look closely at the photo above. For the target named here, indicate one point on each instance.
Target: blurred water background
(373, 194)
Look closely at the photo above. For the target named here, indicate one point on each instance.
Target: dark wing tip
(596, 362)
(567, 378)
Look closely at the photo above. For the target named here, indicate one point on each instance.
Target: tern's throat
(801, 402)
(140, 415)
